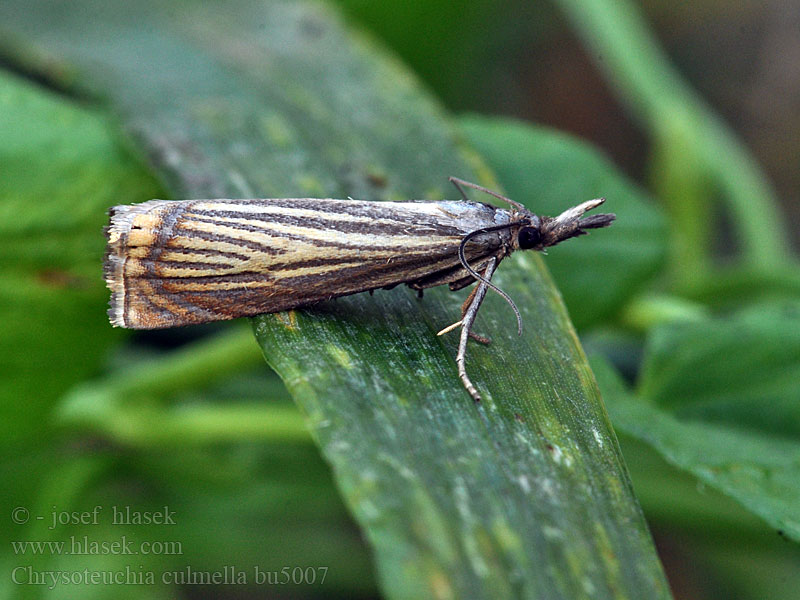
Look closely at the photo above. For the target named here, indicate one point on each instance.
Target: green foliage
(62, 167)
(692, 144)
(757, 469)
(751, 366)
(455, 500)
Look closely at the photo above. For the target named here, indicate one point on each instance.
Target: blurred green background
(698, 359)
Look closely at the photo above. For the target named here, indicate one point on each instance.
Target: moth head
(539, 233)
(529, 236)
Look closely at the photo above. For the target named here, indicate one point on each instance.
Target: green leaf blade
(722, 416)
(498, 493)
(743, 369)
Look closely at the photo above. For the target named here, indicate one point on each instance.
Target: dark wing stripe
(302, 230)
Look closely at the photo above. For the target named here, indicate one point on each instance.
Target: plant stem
(192, 366)
(237, 422)
(653, 89)
(644, 312)
(125, 405)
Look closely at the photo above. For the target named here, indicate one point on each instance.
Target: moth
(172, 263)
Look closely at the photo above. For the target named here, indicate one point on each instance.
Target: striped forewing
(180, 262)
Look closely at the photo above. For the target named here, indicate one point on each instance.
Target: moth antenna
(459, 182)
(463, 259)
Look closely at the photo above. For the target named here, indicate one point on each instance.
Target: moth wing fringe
(117, 234)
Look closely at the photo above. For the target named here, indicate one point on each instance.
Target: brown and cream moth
(173, 263)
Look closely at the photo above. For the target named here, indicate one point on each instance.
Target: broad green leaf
(742, 369)
(549, 171)
(760, 471)
(523, 495)
(440, 484)
(61, 168)
(715, 536)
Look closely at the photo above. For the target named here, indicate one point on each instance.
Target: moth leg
(457, 182)
(457, 285)
(446, 276)
(466, 326)
(468, 301)
(464, 307)
(460, 284)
